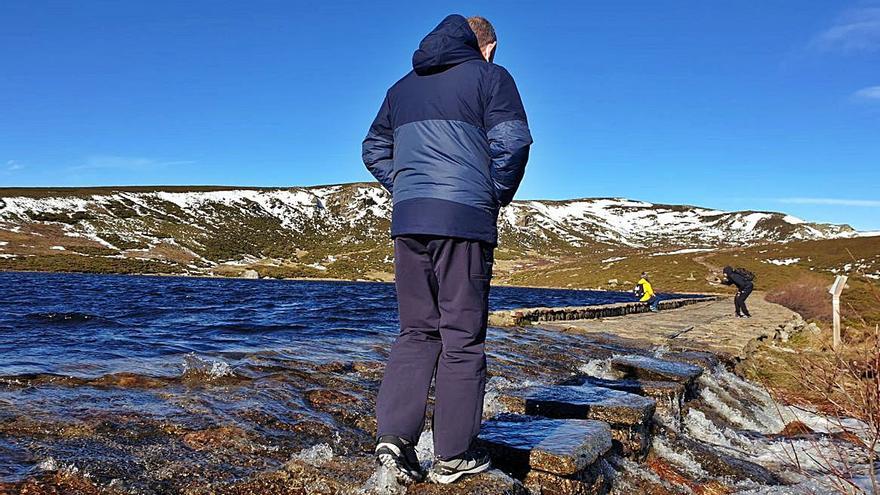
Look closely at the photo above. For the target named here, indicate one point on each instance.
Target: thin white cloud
(867, 203)
(869, 93)
(100, 162)
(12, 166)
(856, 30)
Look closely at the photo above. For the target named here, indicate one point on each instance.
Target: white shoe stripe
(389, 446)
(445, 479)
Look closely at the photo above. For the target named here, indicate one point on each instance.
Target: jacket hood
(450, 43)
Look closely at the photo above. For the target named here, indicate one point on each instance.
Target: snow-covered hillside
(640, 224)
(355, 213)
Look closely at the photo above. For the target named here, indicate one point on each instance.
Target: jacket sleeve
(377, 149)
(509, 136)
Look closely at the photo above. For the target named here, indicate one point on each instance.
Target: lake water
(92, 325)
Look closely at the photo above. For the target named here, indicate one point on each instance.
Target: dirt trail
(701, 260)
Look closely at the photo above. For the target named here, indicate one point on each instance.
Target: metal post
(835, 290)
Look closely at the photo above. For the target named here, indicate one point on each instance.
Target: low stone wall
(527, 316)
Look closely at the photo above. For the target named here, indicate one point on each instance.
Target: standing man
(744, 282)
(450, 143)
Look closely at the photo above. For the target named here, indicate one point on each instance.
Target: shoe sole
(445, 479)
(402, 476)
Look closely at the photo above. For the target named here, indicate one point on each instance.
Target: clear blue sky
(771, 105)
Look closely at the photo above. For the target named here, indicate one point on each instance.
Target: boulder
(782, 335)
(250, 274)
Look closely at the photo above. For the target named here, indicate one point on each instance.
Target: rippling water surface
(88, 325)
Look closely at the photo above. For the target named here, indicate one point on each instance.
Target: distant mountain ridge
(333, 230)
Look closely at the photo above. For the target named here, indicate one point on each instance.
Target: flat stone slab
(649, 368)
(668, 396)
(657, 390)
(585, 401)
(565, 447)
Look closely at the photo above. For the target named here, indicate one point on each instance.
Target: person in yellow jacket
(646, 294)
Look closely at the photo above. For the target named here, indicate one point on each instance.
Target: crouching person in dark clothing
(744, 286)
(450, 143)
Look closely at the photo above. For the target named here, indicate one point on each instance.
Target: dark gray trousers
(443, 298)
(739, 301)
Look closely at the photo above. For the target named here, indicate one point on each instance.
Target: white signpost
(835, 290)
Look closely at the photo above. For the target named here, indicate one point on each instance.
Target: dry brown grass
(807, 295)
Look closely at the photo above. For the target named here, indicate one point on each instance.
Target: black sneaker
(471, 462)
(399, 456)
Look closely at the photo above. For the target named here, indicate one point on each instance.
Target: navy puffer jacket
(451, 139)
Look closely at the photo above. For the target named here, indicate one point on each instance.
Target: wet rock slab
(591, 481)
(648, 368)
(585, 401)
(493, 482)
(519, 444)
(629, 415)
(668, 396)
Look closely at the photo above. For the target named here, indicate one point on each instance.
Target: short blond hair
(483, 29)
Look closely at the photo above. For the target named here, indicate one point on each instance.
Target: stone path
(707, 326)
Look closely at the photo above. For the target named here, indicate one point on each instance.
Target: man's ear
(489, 51)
